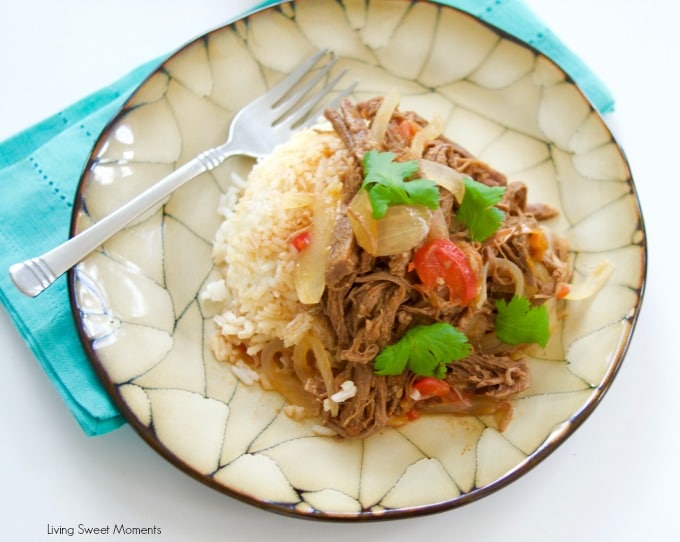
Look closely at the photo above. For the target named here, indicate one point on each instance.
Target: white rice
(347, 390)
(244, 373)
(252, 248)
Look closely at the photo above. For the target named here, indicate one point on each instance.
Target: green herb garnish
(477, 209)
(425, 350)
(384, 180)
(518, 322)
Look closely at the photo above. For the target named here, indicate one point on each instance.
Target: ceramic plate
(143, 321)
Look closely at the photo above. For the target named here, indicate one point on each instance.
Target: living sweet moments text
(82, 529)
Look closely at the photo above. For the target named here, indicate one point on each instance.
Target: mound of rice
(253, 250)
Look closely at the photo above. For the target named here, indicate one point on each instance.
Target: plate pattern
(146, 326)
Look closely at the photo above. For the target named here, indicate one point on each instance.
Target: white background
(614, 479)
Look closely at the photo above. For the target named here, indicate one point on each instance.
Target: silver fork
(254, 131)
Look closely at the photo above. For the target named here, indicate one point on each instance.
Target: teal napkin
(39, 172)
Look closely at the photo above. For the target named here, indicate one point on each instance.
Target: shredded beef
(541, 211)
(370, 302)
(378, 398)
(456, 157)
(366, 314)
(352, 129)
(343, 256)
(486, 374)
(333, 305)
(366, 412)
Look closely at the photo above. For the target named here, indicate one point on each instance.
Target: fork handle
(34, 275)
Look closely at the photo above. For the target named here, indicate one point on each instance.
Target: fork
(254, 131)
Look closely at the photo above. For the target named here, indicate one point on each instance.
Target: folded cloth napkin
(39, 172)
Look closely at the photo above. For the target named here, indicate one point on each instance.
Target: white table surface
(614, 479)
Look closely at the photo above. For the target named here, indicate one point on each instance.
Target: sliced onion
(383, 115)
(364, 226)
(515, 271)
(476, 405)
(446, 177)
(285, 381)
(592, 284)
(402, 228)
(304, 367)
(483, 292)
(310, 268)
(439, 229)
(311, 344)
(431, 131)
(541, 276)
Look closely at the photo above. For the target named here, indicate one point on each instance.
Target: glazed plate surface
(138, 302)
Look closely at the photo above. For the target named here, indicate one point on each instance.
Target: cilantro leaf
(519, 322)
(425, 350)
(477, 209)
(380, 197)
(423, 191)
(393, 359)
(380, 167)
(384, 180)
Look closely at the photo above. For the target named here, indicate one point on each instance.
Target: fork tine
(279, 90)
(306, 108)
(288, 105)
(332, 104)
